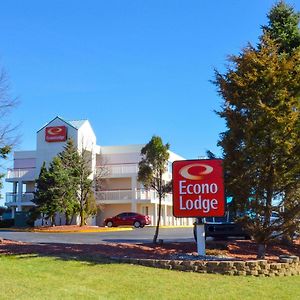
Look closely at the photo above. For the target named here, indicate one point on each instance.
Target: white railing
(114, 195)
(122, 169)
(123, 195)
(20, 173)
(13, 197)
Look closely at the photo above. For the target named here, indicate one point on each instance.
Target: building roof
(76, 123)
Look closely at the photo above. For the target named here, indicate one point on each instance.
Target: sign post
(200, 235)
(198, 191)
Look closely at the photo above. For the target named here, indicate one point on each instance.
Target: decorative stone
(240, 265)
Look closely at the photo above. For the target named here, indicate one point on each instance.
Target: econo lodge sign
(198, 189)
(56, 134)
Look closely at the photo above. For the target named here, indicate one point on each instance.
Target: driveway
(139, 235)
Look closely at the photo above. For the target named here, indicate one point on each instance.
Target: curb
(69, 231)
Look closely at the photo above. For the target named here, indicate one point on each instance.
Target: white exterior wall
(86, 140)
(47, 151)
(24, 159)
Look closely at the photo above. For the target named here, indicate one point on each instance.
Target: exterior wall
(47, 151)
(117, 184)
(87, 141)
(30, 187)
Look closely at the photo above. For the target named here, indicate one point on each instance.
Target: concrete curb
(69, 231)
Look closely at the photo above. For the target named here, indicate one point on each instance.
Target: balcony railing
(123, 195)
(122, 169)
(20, 174)
(128, 195)
(13, 197)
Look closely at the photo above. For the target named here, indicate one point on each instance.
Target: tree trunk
(53, 220)
(287, 239)
(67, 219)
(71, 220)
(261, 251)
(158, 222)
(82, 216)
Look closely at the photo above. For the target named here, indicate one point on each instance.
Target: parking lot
(140, 235)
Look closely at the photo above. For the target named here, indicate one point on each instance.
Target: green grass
(27, 277)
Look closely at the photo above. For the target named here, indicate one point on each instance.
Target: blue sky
(133, 68)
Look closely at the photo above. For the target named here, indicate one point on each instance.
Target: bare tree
(8, 137)
(89, 183)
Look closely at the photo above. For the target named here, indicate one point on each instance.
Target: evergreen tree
(283, 27)
(85, 195)
(70, 160)
(42, 196)
(261, 146)
(153, 165)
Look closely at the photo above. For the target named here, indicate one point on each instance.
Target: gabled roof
(76, 124)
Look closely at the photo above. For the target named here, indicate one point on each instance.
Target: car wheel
(137, 224)
(109, 224)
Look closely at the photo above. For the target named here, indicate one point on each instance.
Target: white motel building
(121, 192)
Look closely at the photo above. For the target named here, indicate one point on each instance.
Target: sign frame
(221, 181)
(56, 137)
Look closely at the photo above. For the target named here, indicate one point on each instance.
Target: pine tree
(41, 196)
(261, 146)
(70, 160)
(283, 27)
(85, 193)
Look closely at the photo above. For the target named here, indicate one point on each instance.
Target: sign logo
(184, 172)
(198, 189)
(56, 134)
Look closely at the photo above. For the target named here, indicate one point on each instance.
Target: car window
(209, 219)
(131, 215)
(123, 215)
(221, 219)
(231, 217)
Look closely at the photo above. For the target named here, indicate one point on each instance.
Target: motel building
(121, 192)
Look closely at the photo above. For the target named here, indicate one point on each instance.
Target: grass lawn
(29, 277)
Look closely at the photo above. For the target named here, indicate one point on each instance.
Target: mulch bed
(240, 249)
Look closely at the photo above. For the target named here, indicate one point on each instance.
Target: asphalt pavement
(138, 235)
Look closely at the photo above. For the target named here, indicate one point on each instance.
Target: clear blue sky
(133, 68)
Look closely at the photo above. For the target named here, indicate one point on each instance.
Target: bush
(7, 223)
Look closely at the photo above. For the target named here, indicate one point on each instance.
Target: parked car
(223, 227)
(128, 218)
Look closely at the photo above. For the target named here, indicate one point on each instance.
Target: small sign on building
(56, 134)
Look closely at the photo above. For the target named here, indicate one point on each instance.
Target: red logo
(198, 189)
(56, 134)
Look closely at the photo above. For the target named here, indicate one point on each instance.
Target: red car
(128, 218)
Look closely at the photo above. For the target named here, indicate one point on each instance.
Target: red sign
(198, 189)
(56, 134)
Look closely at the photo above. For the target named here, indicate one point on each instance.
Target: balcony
(20, 174)
(121, 170)
(12, 199)
(118, 196)
(127, 196)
